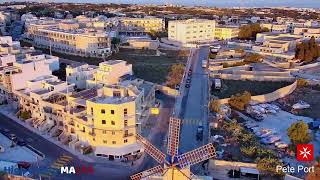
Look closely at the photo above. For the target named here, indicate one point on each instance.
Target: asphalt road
(194, 107)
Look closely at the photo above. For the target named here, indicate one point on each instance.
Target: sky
(218, 3)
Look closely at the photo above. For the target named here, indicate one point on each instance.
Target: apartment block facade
(68, 38)
(226, 33)
(191, 31)
(146, 24)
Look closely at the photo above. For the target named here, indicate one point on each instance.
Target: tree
(249, 151)
(298, 133)
(25, 115)
(253, 58)
(115, 41)
(250, 31)
(175, 75)
(302, 83)
(214, 106)
(308, 51)
(314, 175)
(240, 101)
(268, 167)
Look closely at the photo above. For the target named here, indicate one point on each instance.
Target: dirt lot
(311, 96)
(231, 87)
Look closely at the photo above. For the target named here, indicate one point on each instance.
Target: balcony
(92, 134)
(71, 123)
(128, 135)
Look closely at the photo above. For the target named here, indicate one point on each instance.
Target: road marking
(63, 161)
(66, 156)
(191, 122)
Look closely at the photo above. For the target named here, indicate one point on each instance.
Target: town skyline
(220, 3)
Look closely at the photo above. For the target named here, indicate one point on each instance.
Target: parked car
(24, 165)
(199, 134)
(13, 137)
(189, 72)
(21, 142)
(187, 85)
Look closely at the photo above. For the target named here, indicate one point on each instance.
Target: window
(113, 133)
(113, 142)
(116, 94)
(105, 141)
(103, 122)
(113, 123)
(125, 141)
(125, 111)
(94, 139)
(112, 111)
(83, 129)
(104, 132)
(91, 111)
(103, 111)
(125, 122)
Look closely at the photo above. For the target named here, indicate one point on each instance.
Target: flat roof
(41, 92)
(87, 94)
(286, 38)
(55, 82)
(113, 100)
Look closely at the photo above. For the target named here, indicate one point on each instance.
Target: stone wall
(253, 77)
(213, 163)
(168, 91)
(265, 98)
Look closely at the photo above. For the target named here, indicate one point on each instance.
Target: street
(194, 105)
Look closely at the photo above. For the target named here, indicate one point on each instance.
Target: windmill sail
(173, 137)
(200, 154)
(154, 152)
(146, 173)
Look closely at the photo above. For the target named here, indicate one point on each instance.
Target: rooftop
(112, 62)
(41, 92)
(86, 94)
(113, 100)
(55, 82)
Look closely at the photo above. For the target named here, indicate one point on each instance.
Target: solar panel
(173, 136)
(154, 152)
(146, 173)
(200, 154)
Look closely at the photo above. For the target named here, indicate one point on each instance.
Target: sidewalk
(6, 111)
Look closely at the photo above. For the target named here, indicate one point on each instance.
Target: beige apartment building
(191, 31)
(145, 24)
(226, 32)
(67, 38)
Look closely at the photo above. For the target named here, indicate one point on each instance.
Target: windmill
(173, 166)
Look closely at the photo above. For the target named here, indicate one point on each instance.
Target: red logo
(304, 152)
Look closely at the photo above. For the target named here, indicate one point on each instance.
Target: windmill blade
(173, 136)
(200, 154)
(146, 173)
(154, 152)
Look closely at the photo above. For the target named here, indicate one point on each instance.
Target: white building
(278, 28)
(308, 32)
(191, 31)
(14, 74)
(110, 72)
(78, 74)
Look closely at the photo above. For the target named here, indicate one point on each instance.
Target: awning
(118, 151)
